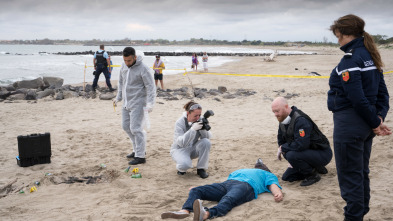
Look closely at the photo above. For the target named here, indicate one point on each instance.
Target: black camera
(205, 122)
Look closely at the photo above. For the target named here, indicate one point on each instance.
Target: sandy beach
(87, 132)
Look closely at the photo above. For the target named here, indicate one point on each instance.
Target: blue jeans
(228, 194)
(102, 69)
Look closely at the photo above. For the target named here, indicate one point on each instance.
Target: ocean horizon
(27, 62)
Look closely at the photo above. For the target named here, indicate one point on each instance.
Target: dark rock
(184, 89)
(222, 89)
(243, 92)
(65, 87)
(10, 88)
(53, 81)
(217, 99)
(45, 93)
(296, 69)
(29, 84)
(69, 94)
(201, 94)
(60, 96)
(20, 91)
(31, 95)
(16, 97)
(171, 98)
(229, 96)
(4, 94)
(107, 96)
(88, 87)
(214, 92)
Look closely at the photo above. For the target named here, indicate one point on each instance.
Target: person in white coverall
(138, 92)
(191, 141)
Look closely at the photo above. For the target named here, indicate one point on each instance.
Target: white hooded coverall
(189, 144)
(137, 90)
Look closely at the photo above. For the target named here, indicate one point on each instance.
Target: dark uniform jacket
(300, 134)
(357, 83)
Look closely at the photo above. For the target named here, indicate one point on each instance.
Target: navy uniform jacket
(301, 136)
(357, 83)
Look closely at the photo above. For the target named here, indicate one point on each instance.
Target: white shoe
(199, 211)
(175, 215)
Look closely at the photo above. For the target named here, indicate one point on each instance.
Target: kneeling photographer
(191, 140)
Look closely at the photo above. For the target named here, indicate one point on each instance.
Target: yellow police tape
(245, 75)
(266, 75)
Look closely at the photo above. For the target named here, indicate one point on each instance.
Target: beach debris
(136, 173)
(87, 179)
(7, 188)
(33, 189)
(222, 89)
(37, 183)
(102, 165)
(314, 73)
(127, 169)
(270, 57)
(21, 191)
(48, 174)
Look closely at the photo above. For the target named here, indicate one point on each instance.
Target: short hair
(102, 46)
(128, 51)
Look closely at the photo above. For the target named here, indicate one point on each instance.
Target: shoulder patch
(302, 133)
(345, 76)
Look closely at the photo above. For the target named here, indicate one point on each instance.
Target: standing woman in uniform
(359, 100)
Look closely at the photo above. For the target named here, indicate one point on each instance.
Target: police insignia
(302, 133)
(345, 76)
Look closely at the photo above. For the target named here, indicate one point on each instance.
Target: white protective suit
(137, 90)
(189, 144)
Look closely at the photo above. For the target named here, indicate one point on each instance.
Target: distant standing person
(101, 61)
(359, 100)
(110, 69)
(158, 66)
(195, 62)
(138, 92)
(205, 58)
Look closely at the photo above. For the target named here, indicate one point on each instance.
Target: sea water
(27, 62)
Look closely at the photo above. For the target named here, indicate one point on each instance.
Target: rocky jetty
(153, 53)
(49, 88)
(52, 88)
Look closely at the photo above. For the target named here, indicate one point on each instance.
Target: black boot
(131, 155)
(137, 160)
(202, 173)
(311, 179)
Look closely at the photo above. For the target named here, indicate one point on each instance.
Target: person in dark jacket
(301, 143)
(101, 61)
(359, 100)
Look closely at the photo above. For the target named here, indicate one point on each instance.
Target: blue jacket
(357, 83)
(260, 180)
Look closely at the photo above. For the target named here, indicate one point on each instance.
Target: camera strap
(186, 123)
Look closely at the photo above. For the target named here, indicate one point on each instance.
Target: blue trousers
(228, 194)
(303, 163)
(352, 148)
(102, 69)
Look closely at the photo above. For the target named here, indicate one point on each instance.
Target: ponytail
(372, 48)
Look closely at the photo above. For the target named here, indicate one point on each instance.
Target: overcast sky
(232, 20)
